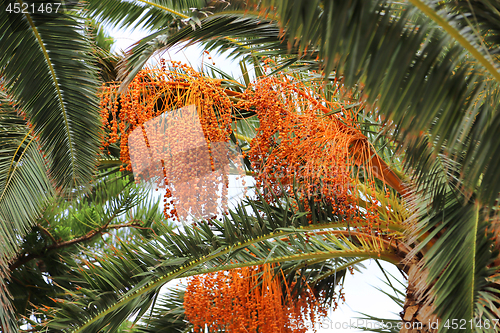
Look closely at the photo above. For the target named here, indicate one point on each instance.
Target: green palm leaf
(465, 28)
(459, 264)
(115, 209)
(168, 315)
(45, 65)
(433, 78)
(24, 188)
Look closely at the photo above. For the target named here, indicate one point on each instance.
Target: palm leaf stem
(12, 162)
(349, 233)
(319, 256)
(473, 254)
(309, 263)
(164, 8)
(17, 150)
(338, 269)
(182, 272)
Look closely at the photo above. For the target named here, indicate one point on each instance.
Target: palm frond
(168, 315)
(115, 209)
(215, 26)
(149, 15)
(459, 261)
(24, 189)
(55, 87)
(24, 185)
(461, 22)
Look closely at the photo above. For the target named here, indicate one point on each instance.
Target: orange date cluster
(249, 300)
(173, 127)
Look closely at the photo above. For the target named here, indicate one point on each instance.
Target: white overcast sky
(360, 289)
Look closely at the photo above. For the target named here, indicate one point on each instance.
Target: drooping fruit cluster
(173, 127)
(304, 148)
(249, 300)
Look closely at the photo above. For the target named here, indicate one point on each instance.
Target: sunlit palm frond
(150, 15)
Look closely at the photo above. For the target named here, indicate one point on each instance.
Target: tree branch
(27, 257)
(45, 231)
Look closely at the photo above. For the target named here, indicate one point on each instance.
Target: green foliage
(430, 70)
(149, 15)
(418, 76)
(24, 185)
(115, 210)
(45, 65)
(24, 188)
(463, 255)
(167, 315)
(49, 128)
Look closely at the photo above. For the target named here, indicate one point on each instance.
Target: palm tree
(428, 71)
